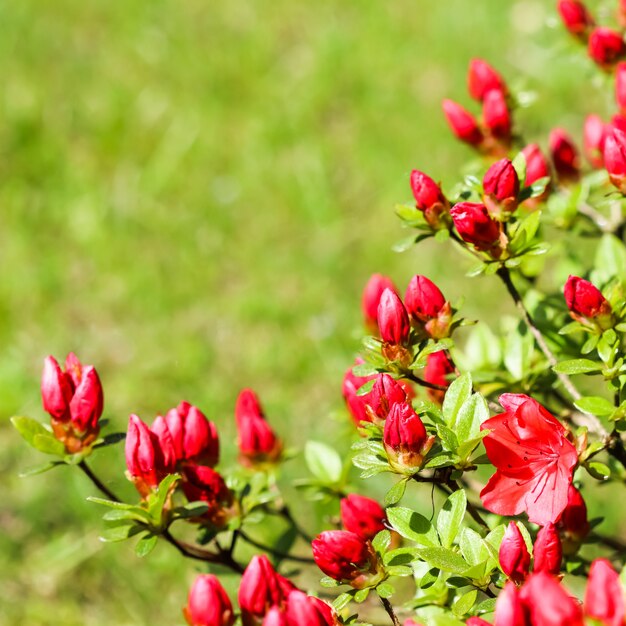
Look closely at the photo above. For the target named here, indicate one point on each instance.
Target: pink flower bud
(57, 390)
(482, 78)
(393, 320)
(260, 589)
(573, 522)
(384, 394)
(496, 115)
(208, 604)
(576, 17)
(474, 224)
(362, 516)
(405, 438)
(303, 610)
(547, 551)
(356, 404)
(371, 298)
(565, 156)
(620, 86)
(462, 123)
(345, 556)
(593, 140)
(144, 458)
(204, 484)
(547, 603)
(423, 299)
(501, 186)
(87, 401)
(429, 198)
(606, 47)
(194, 437)
(604, 597)
(275, 617)
(586, 302)
(514, 556)
(258, 444)
(438, 368)
(615, 157)
(509, 608)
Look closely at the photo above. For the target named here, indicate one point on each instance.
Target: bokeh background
(193, 195)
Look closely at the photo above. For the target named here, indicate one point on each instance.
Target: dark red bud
(342, 555)
(475, 225)
(565, 157)
(496, 115)
(56, 390)
(547, 551)
(615, 157)
(501, 187)
(429, 198)
(208, 604)
(537, 165)
(423, 299)
(371, 298)
(620, 86)
(593, 140)
(585, 301)
(405, 438)
(573, 522)
(604, 597)
(513, 555)
(362, 516)
(482, 78)
(606, 47)
(384, 394)
(575, 17)
(462, 123)
(438, 368)
(393, 320)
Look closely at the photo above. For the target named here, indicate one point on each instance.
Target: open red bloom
(533, 458)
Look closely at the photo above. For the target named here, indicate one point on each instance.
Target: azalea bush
(501, 430)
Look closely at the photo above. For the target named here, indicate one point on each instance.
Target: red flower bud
(547, 551)
(144, 458)
(501, 187)
(275, 617)
(393, 320)
(576, 17)
(346, 557)
(194, 437)
(74, 400)
(356, 404)
(476, 621)
(371, 298)
(547, 603)
(620, 86)
(428, 198)
(482, 78)
(604, 597)
(606, 47)
(615, 157)
(514, 556)
(565, 156)
(384, 394)
(496, 115)
(536, 164)
(586, 303)
(462, 123)
(260, 589)
(362, 516)
(593, 140)
(509, 608)
(405, 438)
(438, 368)
(258, 444)
(204, 484)
(303, 610)
(423, 299)
(573, 522)
(475, 225)
(208, 604)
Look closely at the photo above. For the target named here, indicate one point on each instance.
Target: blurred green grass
(192, 196)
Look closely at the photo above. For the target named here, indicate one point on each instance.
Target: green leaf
(448, 438)
(327, 581)
(133, 513)
(381, 541)
(361, 595)
(577, 366)
(364, 369)
(486, 606)
(48, 444)
(395, 494)
(192, 509)
(610, 258)
(110, 439)
(120, 532)
(342, 601)
(323, 462)
(465, 603)
(519, 163)
(444, 559)
(111, 503)
(470, 416)
(385, 590)
(400, 556)
(456, 395)
(598, 470)
(595, 405)
(472, 548)
(451, 517)
(28, 428)
(412, 526)
(146, 544)
(40, 469)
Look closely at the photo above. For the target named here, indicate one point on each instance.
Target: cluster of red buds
(605, 46)
(74, 400)
(543, 601)
(265, 599)
(493, 134)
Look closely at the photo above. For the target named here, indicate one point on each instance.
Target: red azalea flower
(533, 458)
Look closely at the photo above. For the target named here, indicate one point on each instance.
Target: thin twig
(423, 383)
(97, 482)
(394, 618)
(285, 512)
(273, 551)
(505, 276)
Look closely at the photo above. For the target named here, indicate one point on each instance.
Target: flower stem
(394, 618)
(274, 552)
